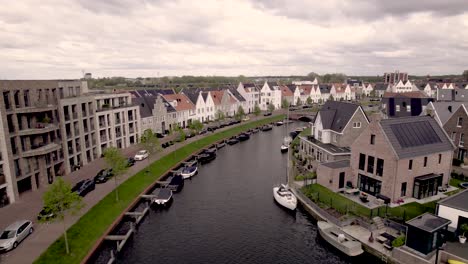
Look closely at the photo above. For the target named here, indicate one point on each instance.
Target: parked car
(103, 176)
(141, 155)
(84, 187)
(203, 131)
(267, 114)
(14, 234)
(159, 135)
(45, 214)
(130, 162)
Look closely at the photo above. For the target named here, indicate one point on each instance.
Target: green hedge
(83, 235)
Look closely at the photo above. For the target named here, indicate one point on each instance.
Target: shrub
(399, 241)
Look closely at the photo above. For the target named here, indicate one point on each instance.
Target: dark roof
(146, 104)
(458, 201)
(330, 148)
(192, 96)
(337, 164)
(380, 86)
(324, 88)
(429, 222)
(272, 84)
(151, 92)
(237, 94)
(205, 95)
(415, 136)
(335, 115)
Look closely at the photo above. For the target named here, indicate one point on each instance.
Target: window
(380, 165)
(410, 165)
(397, 108)
(462, 141)
(425, 161)
(370, 164)
(454, 134)
(403, 189)
(362, 161)
(356, 124)
(440, 158)
(335, 138)
(372, 139)
(459, 122)
(408, 108)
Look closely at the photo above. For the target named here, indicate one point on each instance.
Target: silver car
(14, 234)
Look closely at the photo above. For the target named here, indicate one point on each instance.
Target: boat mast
(289, 149)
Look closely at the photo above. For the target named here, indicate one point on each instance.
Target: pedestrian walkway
(30, 203)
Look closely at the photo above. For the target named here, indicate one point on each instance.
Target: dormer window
(459, 122)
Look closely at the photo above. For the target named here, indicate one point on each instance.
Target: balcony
(40, 128)
(2, 179)
(75, 115)
(103, 138)
(36, 107)
(117, 121)
(106, 107)
(131, 130)
(42, 149)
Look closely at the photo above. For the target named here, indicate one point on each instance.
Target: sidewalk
(31, 203)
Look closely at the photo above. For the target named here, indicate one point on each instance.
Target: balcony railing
(103, 138)
(75, 115)
(42, 149)
(39, 128)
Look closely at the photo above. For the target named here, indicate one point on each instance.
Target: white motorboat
(161, 196)
(285, 197)
(189, 171)
(284, 148)
(337, 238)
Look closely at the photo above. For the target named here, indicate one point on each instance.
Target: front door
(342, 180)
(461, 154)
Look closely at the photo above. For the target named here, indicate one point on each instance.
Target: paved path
(31, 203)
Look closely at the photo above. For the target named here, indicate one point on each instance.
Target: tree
(60, 200)
(309, 100)
(150, 142)
(257, 110)
(465, 74)
(271, 107)
(312, 75)
(196, 126)
(331, 98)
(220, 115)
(298, 102)
(180, 134)
(118, 163)
(284, 103)
(240, 113)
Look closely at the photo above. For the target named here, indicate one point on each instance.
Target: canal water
(227, 214)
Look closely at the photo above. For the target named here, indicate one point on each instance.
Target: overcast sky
(59, 38)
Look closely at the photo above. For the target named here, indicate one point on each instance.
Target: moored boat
(285, 197)
(221, 144)
(279, 123)
(233, 141)
(206, 157)
(243, 137)
(176, 183)
(189, 171)
(337, 238)
(267, 128)
(284, 148)
(161, 196)
(255, 130)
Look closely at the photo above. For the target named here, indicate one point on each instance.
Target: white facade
(429, 91)
(401, 87)
(270, 95)
(451, 214)
(251, 95)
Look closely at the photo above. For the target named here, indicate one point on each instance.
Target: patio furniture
(381, 239)
(352, 191)
(364, 198)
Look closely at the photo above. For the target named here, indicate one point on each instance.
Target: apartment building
(31, 143)
(395, 77)
(404, 104)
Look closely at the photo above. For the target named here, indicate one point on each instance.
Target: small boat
(337, 238)
(176, 183)
(161, 196)
(293, 134)
(233, 141)
(267, 128)
(243, 137)
(285, 197)
(255, 130)
(284, 148)
(279, 123)
(206, 157)
(189, 171)
(221, 145)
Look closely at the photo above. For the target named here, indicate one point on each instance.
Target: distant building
(88, 76)
(457, 95)
(404, 104)
(395, 77)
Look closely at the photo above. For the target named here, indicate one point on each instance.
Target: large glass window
(362, 161)
(380, 165)
(369, 185)
(370, 164)
(426, 186)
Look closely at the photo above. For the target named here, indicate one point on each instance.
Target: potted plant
(463, 229)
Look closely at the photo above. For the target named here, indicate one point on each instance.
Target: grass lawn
(344, 205)
(455, 182)
(83, 235)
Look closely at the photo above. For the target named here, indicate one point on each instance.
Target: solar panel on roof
(415, 134)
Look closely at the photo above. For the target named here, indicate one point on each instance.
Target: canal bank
(95, 222)
(227, 214)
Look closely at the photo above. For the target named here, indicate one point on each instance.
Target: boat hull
(349, 246)
(189, 174)
(284, 202)
(284, 149)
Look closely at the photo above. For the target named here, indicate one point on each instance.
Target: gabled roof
(458, 201)
(151, 92)
(237, 95)
(336, 115)
(286, 91)
(183, 103)
(146, 104)
(380, 86)
(415, 136)
(217, 96)
(445, 110)
(272, 84)
(192, 96)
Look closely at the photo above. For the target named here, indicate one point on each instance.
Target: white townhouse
(402, 87)
(296, 95)
(185, 109)
(342, 92)
(429, 90)
(251, 93)
(270, 94)
(367, 89)
(204, 106)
